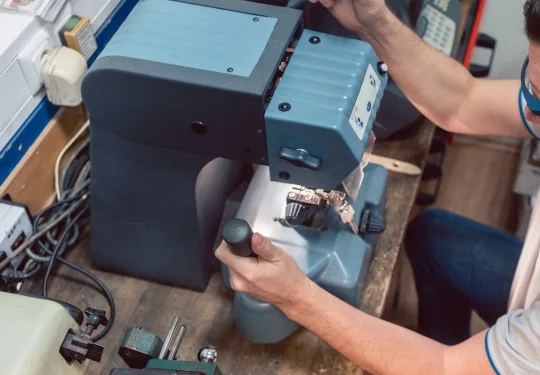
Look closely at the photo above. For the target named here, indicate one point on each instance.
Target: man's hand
(273, 276)
(355, 14)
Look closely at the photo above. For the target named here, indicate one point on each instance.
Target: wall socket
(30, 60)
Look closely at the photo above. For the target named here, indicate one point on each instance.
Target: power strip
(15, 228)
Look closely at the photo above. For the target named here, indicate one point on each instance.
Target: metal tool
(146, 354)
(171, 335)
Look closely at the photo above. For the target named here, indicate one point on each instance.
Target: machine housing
(179, 117)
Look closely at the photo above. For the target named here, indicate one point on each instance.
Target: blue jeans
(459, 265)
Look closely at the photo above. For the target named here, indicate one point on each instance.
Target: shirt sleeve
(513, 343)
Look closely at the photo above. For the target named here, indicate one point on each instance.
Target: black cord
(99, 283)
(106, 292)
(57, 248)
(74, 188)
(51, 211)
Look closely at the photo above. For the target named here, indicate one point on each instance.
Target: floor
(478, 175)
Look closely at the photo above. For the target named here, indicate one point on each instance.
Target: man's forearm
(373, 344)
(434, 82)
(440, 87)
(381, 347)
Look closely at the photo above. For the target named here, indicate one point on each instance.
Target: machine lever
(300, 158)
(237, 234)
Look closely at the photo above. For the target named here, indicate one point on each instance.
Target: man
(459, 264)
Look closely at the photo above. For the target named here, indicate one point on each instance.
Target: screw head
(198, 127)
(382, 67)
(230, 70)
(284, 175)
(284, 107)
(255, 19)
(314, 40)
(207, 354)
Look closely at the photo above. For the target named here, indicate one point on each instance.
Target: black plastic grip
(237, 233)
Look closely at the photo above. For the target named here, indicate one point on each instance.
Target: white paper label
(364, 102)
(87, 41)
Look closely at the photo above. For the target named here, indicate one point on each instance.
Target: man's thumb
(264, 248)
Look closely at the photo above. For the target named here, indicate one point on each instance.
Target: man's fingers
(326, 3)
(242, 265)
(237, 281)
(265, 249)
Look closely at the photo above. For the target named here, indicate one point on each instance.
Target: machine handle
(300, 158)
(237, 233)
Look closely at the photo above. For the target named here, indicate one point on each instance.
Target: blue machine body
(187, 96)
(334, 258)
(334, 90)
(193, 36)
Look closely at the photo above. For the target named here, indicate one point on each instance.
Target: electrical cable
(77, 155)
(57, 227)
(58, 247)
(33, 238)
(105, 291)
(61, 155)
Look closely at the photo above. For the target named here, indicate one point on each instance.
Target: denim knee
(425, 232)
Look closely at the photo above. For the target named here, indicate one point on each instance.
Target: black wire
(104, 289)
(47, 210)
(106, 292)
(58, 247)
(67, 232)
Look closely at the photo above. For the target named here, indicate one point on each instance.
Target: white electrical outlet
(30, 60)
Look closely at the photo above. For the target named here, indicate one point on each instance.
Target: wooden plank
(32, 181)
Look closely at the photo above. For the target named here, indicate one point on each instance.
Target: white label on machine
(364, 102)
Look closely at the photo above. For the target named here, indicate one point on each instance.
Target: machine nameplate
(363, 107)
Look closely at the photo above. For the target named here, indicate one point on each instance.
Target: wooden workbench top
(209, 315)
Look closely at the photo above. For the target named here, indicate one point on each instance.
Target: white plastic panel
(13, 93)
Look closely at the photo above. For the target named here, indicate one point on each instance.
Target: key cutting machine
(188, 93)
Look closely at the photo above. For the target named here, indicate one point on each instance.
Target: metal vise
(146, 354)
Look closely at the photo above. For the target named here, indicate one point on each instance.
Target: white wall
(16, 32)
(503, 20)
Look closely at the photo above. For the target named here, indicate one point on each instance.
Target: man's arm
(441, 88)
(381, 347)
(375, 345)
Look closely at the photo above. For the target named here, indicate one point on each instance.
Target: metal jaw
(315, 202)
(319, 200)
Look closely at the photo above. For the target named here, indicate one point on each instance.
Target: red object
(474, 33)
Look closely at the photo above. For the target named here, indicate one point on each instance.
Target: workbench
(209, 315)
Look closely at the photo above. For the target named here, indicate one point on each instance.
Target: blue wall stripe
(30, 130)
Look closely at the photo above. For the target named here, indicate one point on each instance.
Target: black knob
(296, 214)
(95, 319)
(237, 233)
(371, 223)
